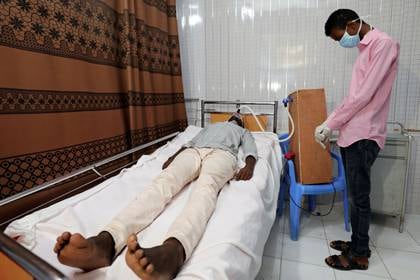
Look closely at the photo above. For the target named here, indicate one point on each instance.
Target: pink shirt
(364, 111)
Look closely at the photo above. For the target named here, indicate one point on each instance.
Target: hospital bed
(231, 247)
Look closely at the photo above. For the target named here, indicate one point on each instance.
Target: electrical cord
(317, 214)
(262, 129)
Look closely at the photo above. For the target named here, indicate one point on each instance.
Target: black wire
(317, 214)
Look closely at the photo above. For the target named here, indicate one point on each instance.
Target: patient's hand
(244, 174)
(247, 172)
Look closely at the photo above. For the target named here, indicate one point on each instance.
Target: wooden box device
(312, 163)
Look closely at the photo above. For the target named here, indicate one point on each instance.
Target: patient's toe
(65, 236)
(143, 262)
(78, 241)
(132, 244)
(56, 248)
(62, 240)
(139, 254)
(132, 238)
(150, 268)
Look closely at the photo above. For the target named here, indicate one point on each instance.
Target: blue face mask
(351, 41)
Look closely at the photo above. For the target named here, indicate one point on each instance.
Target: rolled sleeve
(189, 144)
(248, 145)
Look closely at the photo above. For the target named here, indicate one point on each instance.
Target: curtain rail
(75, 173)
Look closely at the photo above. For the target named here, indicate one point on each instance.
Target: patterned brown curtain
(81, 81)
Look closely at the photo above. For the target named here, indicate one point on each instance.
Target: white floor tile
(401, 265)
(385, 221)
(335, 215)
(270, 269)
(390, 238)
(273, 247)
(350, 275)
(376, 266)
(334, 230)
(397, 253)
(413, 226)
(300, 271)
(278, 225)
(306, 249)
(310, 226)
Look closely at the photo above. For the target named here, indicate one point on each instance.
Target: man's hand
(247, 172)
(322, 134)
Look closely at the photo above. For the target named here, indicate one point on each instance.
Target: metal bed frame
(273, 104)
(404, 142)
(36, 266)
(30, 262)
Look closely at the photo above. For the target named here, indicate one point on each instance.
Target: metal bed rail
(406, 133)
(192, 106)
(273, 104)
(92, 167)
(31, 263)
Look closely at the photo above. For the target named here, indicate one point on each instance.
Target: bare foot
(158, 263)
(87, 254)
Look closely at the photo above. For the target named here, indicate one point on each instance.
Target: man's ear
(242, 123)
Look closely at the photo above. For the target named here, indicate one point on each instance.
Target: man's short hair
(339, 19)
(237, 117)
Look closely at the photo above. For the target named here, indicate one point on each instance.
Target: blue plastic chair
(297, 190)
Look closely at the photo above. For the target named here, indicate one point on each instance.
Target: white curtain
(258, 50)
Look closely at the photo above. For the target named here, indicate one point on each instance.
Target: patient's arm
(169, 160)
(247, 172)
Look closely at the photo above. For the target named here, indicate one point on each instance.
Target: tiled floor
(395, 255)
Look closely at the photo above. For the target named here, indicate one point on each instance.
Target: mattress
(231, 247)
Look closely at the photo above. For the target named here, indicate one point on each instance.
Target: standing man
(361, 119)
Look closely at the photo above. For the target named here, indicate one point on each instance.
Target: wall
(265, 49)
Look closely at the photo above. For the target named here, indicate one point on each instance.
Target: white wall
(264, 49)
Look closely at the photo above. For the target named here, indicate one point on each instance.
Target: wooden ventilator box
(312, 163)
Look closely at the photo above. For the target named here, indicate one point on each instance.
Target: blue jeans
(358, 159)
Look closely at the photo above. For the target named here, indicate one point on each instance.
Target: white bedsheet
(231, 247)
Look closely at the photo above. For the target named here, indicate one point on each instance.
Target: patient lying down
(211, 159)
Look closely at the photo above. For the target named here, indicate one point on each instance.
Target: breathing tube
(285, 102)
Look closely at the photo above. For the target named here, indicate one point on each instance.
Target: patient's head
(237, 119)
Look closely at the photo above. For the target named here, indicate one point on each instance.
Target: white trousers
(211, 167)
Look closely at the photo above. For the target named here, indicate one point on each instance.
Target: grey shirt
(226, 136)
